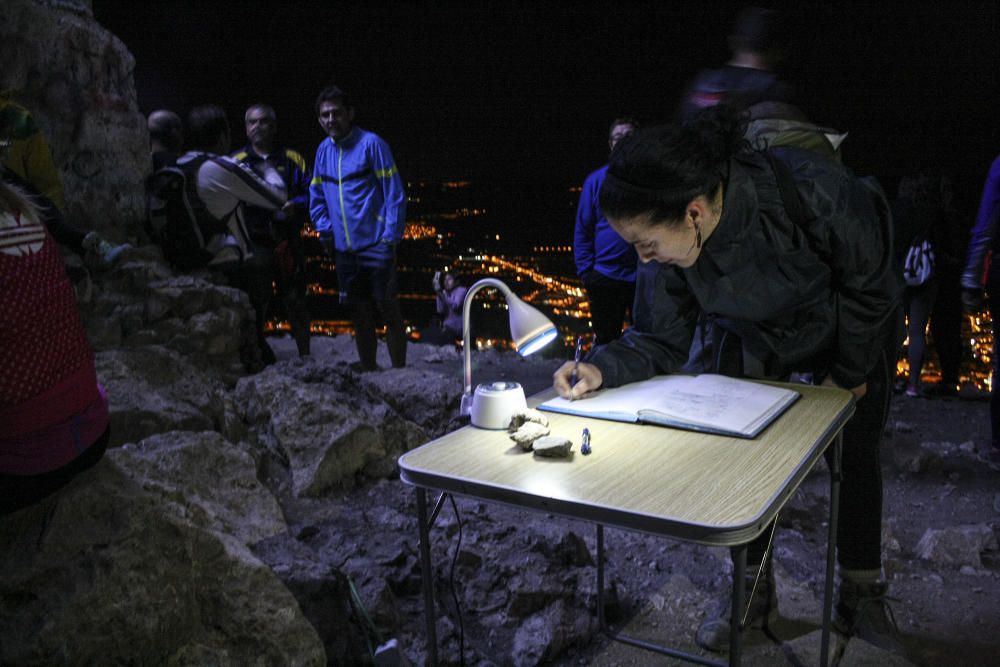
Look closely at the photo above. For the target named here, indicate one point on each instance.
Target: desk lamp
(493, 403)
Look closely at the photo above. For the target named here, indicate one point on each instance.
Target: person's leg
(920, 302)
(19, 491)
(363, 319)
(946, 328)
(993, 303)
(255, 278)
(861, 608)
(395, 331)
(298, 318)
(610, 300)
(382, 263)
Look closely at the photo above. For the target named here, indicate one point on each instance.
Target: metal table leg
(831, 547)
(738, 603)
(427, 576)
(632, 641)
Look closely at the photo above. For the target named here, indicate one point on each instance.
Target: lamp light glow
(529, 329)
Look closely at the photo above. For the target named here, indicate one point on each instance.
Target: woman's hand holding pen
(588, 378)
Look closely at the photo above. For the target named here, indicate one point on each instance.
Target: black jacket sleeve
(665, 314)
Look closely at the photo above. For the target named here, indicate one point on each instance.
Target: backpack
(800, 216)
(176, 217)
(918, 267)
(775, 124)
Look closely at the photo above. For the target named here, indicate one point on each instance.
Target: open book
(708, 403)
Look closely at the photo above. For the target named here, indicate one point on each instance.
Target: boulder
(204, 480)
(547, 633)
(956, 545)
(140, 303)
(155, 390)
(100, 574)
(77, 80)
(319, 417)
(323, 593)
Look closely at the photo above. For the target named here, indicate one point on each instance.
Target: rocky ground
(525, 582)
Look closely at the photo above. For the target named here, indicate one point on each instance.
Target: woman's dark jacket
(817, 294)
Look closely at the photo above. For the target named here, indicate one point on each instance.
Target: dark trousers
(610, 305)
(918, 302)
(946, 323)
(19, 491)
(859, 530)
(993, 302)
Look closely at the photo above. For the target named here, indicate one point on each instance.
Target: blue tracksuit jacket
(356, 197)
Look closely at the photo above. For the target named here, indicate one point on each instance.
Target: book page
(712, 402)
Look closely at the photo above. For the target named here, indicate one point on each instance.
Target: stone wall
(77, 80)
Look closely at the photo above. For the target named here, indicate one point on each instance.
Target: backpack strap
(790, 197)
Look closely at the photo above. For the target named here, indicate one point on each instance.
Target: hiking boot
(863, 611)
(713, 633)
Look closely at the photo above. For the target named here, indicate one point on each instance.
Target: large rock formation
(76, 78)
(332, 424)
(206, 481)
(103, 573)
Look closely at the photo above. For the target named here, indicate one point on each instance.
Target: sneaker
(99, 253)
(863, 611)
(713, 633)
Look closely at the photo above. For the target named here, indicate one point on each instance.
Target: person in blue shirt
(358, 207)
(981, 273)
(604, 261)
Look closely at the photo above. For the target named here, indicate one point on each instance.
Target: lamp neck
(466, 333)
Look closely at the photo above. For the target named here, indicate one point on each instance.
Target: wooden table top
(691, 486)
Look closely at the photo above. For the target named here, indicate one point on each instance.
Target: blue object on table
(585, 447)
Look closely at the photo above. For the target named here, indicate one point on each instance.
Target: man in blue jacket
(358, 207)
(604, 262)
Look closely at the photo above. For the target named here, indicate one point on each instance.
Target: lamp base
(494, 403)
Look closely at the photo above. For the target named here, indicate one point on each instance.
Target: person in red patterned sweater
(53, 412)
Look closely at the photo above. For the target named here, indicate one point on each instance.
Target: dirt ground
(934, 478)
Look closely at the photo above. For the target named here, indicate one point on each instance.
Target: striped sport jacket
(356, 197)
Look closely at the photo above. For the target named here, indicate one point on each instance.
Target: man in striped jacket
(358, 207)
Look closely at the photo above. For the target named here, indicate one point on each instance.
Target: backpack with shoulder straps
(796, 210)
(176, 217)
(918, 267)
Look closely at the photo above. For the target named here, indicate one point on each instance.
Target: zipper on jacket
(340, 192)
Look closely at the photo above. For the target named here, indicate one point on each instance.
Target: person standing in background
(277, 235)
(358, 206)
(979, 274)
(604, 261)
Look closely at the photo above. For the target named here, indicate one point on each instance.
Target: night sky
(516, 91)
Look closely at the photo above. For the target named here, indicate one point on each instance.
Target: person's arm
(587, 215)
(851, 234)
(318, 211)
(227, 182)
(298, 193)
(393, 194)
(665, 314)
(981, 239)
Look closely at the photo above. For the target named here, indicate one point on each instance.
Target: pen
(573, 377)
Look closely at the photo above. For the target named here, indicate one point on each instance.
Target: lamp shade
(529, 328)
